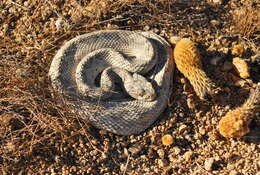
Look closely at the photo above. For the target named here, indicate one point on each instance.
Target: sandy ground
(39, 136)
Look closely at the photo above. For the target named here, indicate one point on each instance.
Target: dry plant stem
(247, 21)
(235, 123)
(188, 61)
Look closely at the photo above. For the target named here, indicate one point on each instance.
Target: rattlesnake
(143, 55)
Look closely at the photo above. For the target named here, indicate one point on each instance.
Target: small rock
(151, 153)
(214, 22)
(215, 60)
(202, 131)
(219, 2)
(209, 164)
(176, 150)
(187, 156)
(155, 30)
(57, 159)
(5, 29)
(161, 153)
(135, 149)
(171, 157)
(241, 67)
(234, 172)
(224, 50)
(227, 66)
(255, 58)
(162, 162)
(122, 167)
(183, 128)
(238, 50)
(22, 73)
(191, 104)
(167, 140)
(59, 23)
(163, 33)
(240, 83)
(174, 39)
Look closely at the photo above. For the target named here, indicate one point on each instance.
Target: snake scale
(85, 67)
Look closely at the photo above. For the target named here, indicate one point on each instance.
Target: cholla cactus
(188, 61)
(235, 123)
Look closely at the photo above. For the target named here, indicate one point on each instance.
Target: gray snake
(143, 56)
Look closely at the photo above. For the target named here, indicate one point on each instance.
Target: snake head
(140, 88)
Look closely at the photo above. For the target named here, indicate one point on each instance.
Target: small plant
(246, 21)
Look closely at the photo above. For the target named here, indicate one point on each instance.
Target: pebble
(155, 30)
(202, 131)
(151, 153)
(123, 167)
(162, 162)
(22, 73)
(241, 67)
(234, 172)
(5, 29)
(227, 66)
(214, 22)
(255, 58)
(174, 39)
(12, 10)
(238, 50)
(167, 140)
(218, 2)
(187, 156)
(171, 157)
(215, 60)
(135, 149)
(176, 150)
(209, 164)
(58, 23)
(183, 128)
(161, 153)
(191, 104)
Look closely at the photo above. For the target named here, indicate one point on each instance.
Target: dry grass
(30, 118)
(30, 115)
(247, 22)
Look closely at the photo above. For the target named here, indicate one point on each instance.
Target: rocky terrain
(39, 136)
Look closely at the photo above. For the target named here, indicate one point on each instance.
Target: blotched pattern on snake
(121, 79)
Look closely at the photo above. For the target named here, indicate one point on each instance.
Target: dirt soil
(39, 136)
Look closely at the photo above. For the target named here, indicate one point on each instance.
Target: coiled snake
(121, 79)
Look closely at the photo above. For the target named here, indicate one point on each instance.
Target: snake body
(144, 55)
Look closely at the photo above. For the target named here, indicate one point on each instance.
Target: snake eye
(141, 93)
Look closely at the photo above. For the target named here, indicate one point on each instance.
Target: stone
(215, 60)
(167, 140)
(241, 67)
(238, 50)
(183, 128)
(227, 66)
(163, 162)
(174, 39)
(208, 165)
(188, 155)
(135, 149)
(161, 153)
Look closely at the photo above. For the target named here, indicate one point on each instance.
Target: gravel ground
(39, 136)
